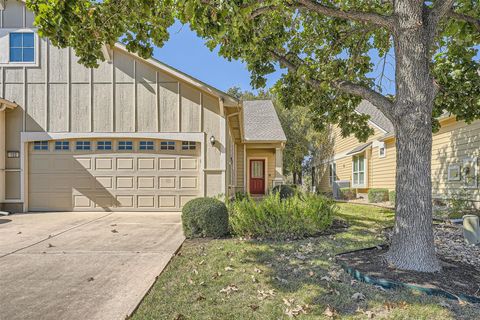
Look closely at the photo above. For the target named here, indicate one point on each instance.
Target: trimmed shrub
(205, 217)
(377, 195)
(285, 191)
(348, 193)
(391, 197)
(273, 218)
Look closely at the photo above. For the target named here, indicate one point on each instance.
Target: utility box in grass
(337, 186)
(471, 229)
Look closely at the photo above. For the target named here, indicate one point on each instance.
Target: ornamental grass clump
(277, 219)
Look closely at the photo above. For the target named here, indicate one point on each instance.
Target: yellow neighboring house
(372, 164)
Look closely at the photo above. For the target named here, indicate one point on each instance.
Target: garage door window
(167, 145)
(125, 145)
(83, 145)
(104, 145)
(146, 145)
(40, 145)
(62, 145)
(189, 145)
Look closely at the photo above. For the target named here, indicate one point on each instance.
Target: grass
(235, 279)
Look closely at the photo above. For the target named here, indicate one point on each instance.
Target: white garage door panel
(74, 181)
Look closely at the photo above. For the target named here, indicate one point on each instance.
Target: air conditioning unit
(337, 185)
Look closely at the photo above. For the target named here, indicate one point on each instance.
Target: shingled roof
(376, 116)
(261, 122)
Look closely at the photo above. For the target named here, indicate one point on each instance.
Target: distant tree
(326, 47)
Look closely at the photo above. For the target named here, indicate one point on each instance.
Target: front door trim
(265, 168)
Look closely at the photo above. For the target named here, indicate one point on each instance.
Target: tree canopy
(326, 45)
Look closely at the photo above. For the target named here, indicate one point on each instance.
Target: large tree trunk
(412, 246)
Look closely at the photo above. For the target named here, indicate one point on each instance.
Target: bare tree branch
(377, 99)
(463, 17)
(368, 17)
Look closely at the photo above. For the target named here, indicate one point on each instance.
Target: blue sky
(188, 53)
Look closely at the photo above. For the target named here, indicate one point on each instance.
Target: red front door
(257, 176)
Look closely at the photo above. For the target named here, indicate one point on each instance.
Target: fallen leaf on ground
(114, 231)
(254, 280)
(288, 302)
(90, 279)
(330, 312)
(50, 245)
(229, 289)
(216, 275)
(257, 270)
(265, 294)
(254, 307)
(229, 268)
(298, 310)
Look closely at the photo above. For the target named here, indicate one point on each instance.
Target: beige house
(133, 134)
(372, 164)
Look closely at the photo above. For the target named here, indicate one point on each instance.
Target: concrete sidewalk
(84, 265)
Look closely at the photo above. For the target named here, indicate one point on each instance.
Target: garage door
(104, 175)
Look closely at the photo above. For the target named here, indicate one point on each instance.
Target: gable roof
(376, 117)
(261, 123)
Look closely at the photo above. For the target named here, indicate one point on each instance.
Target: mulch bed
(455, 277)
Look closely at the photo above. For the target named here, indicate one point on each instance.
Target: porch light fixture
(212, 140)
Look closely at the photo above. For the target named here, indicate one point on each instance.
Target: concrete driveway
(82, 265)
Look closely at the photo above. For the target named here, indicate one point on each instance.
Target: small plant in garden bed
(377, 195)
(348, 193)
(274, 218)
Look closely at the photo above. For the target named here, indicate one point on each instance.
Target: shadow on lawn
(294, 266)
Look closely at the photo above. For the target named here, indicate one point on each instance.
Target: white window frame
(81, 145)
(167, 145)
(105, 145)
(146, 145)
(189, 145)
(40, 145)
(60, 145)
(331, 177)
(5, 47)
(125, 145)
(380, 148)
(358, 172)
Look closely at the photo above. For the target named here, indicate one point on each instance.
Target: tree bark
(412, 246)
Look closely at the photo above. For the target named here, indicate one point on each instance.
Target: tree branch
(368, 17)
(463, 17)
(440, 9)
(377, 99)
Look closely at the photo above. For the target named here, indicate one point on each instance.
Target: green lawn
(235, 279)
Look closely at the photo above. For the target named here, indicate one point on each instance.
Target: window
(40, 145)
(83, 145)
(189, 145)
(359, 171)
(125, 145)
(146, 145)
(62, 145)
(332, 173)
(22, 47)
(382, 152)
(167, 145)
(104, 145)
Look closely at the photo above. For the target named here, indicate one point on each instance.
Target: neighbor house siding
(383, 169)
(455, 142)
(240, 165)
(344, 162)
